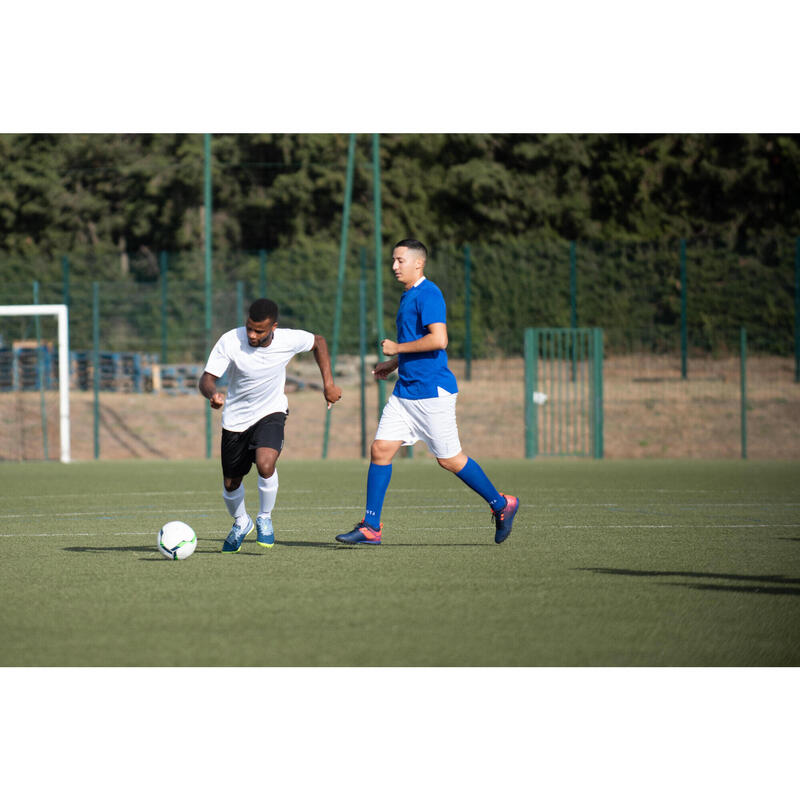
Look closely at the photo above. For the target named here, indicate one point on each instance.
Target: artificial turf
(611, 563)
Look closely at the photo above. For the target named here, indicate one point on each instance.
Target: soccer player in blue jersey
(423, 404)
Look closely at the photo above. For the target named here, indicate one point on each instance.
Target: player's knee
(453, 464)
(382, 452)
(266, 469)
(265, 466)
(231, 484)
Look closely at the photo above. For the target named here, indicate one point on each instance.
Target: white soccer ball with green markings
(176, 541)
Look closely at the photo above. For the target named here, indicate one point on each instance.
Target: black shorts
(238, 450)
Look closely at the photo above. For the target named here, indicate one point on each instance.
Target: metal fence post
(797, 310)
(262, 273)
(743, 383)
(239, 304)
(96, 364)
(531, 347)
(362, 348)
(573, 285)
(597, 364)
(65, 278)
(40, 371)
(573, 296)
(208, 250)
(376, 192)
(163, 265)
(684, 332)
(337, 317)
(467, 313)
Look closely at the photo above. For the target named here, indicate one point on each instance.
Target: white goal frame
(62, 313)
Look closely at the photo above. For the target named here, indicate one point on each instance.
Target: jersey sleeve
(433, 308)
(218, 360)
(302, 341)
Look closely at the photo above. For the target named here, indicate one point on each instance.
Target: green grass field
(646, 563)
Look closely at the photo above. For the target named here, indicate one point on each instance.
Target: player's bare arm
(323, 358)
(385, 368)
(208, 388)
(435, 339)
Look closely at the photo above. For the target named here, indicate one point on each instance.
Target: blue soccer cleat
(504, 518)
(361, 534)
(265, 536)
(233, 544)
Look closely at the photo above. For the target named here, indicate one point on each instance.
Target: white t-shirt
(256, 375)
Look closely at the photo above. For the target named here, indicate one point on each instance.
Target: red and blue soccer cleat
(361, 534)
(504, 518)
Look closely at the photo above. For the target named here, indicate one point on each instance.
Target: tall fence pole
(598, 391)
(797, 310)
(362, 347)
(163, 269)
(65, 279)
(531, 380)
(337, 317)
(239, 304)
(376, 193)
(262, 273)
(573, 297)
(743, 383)
(573, 285)
(40, 371)
(468, 313)
(684, 329)
(208, 246)
(96, 364)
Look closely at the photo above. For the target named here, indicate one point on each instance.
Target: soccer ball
(176, 541)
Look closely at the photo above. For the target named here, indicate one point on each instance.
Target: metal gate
(564, 392)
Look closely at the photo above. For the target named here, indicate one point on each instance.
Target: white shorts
(432, 420)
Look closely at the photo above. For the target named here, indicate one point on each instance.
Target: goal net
(34, 377)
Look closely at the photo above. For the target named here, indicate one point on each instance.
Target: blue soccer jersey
(422, 374)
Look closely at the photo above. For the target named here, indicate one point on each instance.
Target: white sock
(235, 503)
(267, 494)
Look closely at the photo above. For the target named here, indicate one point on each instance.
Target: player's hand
(332, 394)
(217, 400)
(389, 347)
(384, 369)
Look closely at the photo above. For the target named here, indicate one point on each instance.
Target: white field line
(282, 531)
(202, 510)
(439, 528)
(209, 493)
(696, 527)
(532, 506)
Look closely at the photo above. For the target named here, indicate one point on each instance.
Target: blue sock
(476, 479)
(378, 478)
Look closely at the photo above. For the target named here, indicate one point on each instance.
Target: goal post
(60, 311)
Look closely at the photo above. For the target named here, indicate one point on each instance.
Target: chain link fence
(671, 313)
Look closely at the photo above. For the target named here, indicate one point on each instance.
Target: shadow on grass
(342, 546)
(129, 548)
(140, 548)
(785, 586)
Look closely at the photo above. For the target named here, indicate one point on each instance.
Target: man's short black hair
(262, 309)
(413, 244)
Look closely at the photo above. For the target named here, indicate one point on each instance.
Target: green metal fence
(658, 303)
(564, 392)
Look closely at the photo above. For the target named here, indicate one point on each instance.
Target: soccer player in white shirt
(255, 409)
